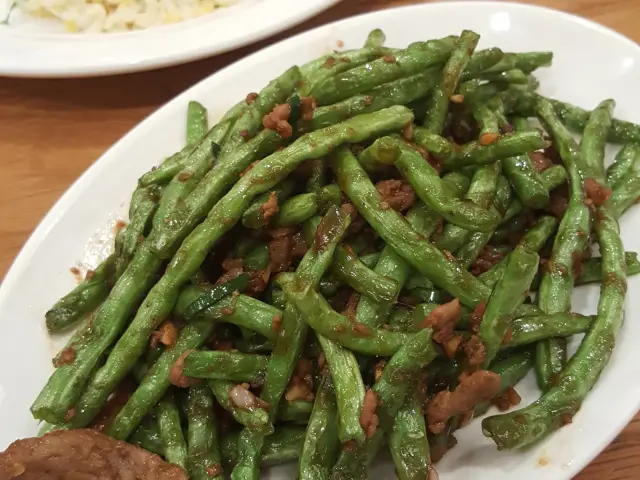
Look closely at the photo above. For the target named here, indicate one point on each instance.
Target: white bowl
(591, 63)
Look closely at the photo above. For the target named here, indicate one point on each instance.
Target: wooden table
(52, 130)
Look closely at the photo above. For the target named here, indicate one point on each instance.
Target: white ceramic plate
(591, 63)
(32, 47)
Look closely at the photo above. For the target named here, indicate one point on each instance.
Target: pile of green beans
(313, 293)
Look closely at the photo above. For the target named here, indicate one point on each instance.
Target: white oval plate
(41, 48)
(596, 63)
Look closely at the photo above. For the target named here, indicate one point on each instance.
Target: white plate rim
(69, 196)
(87, 55)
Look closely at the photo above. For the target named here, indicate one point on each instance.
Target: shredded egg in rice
(119, 15)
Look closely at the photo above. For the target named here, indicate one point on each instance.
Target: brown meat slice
(368, 418)
(476, 317)
(398, 194)
(477, 387)
(280, 250)
(443, 320)
(540, 160)
(278, 120)
(270, 208)
(597, 193)
(474, 351)
(83, 455)
(489, 256)
(508, 399)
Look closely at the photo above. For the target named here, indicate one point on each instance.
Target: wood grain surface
(52, 130)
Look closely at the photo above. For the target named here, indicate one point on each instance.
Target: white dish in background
(595, 64)
(35, 47)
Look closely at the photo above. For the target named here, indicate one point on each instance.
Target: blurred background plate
(35, 47)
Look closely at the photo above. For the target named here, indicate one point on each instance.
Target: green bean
(193, 250)
(390, 392)
(370, 259)
(321, 442)
(457, 62)
(508, 293)
(350, 270)
(83, 299)
(594, 140)
(531, 328)
(486, 120)
(312, 267)
(408, 440)
(511, 370)
(562, 401)
(554, 293)
(468, 253)
(434, 193)
(380, 155)
(170, 429)
(249, 122)
(514, 76)
(194, 209)
(147, 436)
(195, 167)
(90, 342)
(167, 169)
(628, 156)
(507, 62)
(534, 239)
(349, 389)
(157, 381)
(530, 61)
(391, 265)
(282, 446)
(257, 259)
(375, 39)
(481, 192)
(318, 175)
(526, 181)
(576, 118)
(626, 192)
(327, 66)
(296, 411)
(209, 297)
(46, 427)
(233, 366)
(253, 217)
(423, 256)
(256, 420)
(591, 269)
(203, 453)
(477, 91)
(197, 123)
(296, 210)
(324, 320)
(481, 61)
(474, 153)
(292, 334)
(551, 178)
(313, 145)
(414, 59)
(329, 195)
(240, 310)
(65, 385)
(140, 220)
(398, 92)
(433, 143)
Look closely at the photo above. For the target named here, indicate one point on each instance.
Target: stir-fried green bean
(376, 234)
